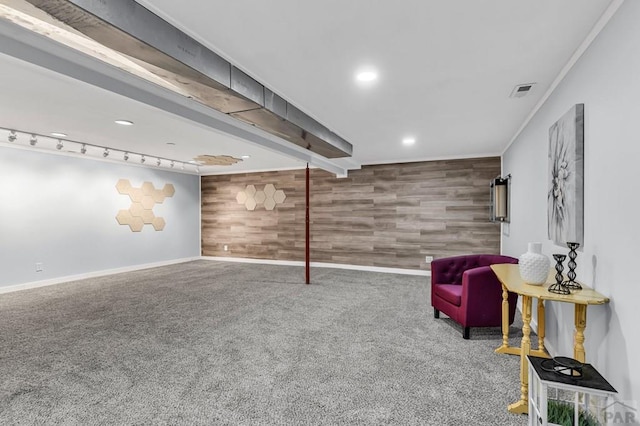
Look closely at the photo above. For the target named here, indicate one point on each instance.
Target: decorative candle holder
(558, 287)
(571, 282)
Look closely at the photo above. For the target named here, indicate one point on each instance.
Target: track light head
(59, 145)
(83, 149)
(105, 154)
(159, 162)
(12, 136)
(172, 164)
(142, 159)
(34, 140)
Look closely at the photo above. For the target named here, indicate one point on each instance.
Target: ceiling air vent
(522, 90)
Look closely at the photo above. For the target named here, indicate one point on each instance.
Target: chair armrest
(482, 296)
(479, 284)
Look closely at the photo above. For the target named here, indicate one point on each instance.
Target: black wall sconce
(500, 192)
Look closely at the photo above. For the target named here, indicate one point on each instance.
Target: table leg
(522, 406)
(541, 351)
(581, 324)
(505, 348)
(505, 322)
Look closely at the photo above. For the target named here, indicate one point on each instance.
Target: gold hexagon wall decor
(250, 204)
(124, 217)
(260, 196)
(158, 224)
(269, 197)
(241, 198)
(269, 204)
(168, 190)
(279, 196)
(158, 196)
(143, 200)
(148, 202)
(135, 194)
(250, 190)
(147, 188)
(148, 217)
(136, 209)
(123, 186)
(269, 190)
(136, 224)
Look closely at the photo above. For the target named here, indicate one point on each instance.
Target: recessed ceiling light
(244, 157)
(367, 76)
(59, 134)
(408, 141)
(124, 122)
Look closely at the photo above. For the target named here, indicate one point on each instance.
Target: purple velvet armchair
(466, 289)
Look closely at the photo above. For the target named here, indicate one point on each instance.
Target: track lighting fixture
(61, 142)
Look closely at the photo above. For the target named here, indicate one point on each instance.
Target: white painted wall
(607, 80)
(61, 210)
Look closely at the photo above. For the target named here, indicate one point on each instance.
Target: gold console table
(509, 277)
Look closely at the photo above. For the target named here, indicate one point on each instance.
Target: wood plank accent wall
(388, 215)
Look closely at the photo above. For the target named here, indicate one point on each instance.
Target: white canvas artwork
(565, 199)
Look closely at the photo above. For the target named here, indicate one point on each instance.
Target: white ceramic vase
(534, 266)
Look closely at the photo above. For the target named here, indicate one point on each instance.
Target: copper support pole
(306, 251)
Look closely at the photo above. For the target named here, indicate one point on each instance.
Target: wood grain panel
(390, 215)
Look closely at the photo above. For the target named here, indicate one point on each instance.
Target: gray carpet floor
(209, 343)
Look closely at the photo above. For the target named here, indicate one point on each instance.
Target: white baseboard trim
(373, 269)
(248, 260)
(322, 265)
(68, 278)
(105, 272)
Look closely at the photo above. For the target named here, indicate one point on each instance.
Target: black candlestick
(558, 287)
(571, 282)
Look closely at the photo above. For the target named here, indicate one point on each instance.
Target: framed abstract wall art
(565, 199)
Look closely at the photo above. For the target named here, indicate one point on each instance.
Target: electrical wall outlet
(428, 259)
(225, 247)
(39, 267)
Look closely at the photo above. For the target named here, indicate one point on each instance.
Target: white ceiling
(446, 71)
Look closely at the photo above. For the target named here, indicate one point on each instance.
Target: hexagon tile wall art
(269, 197)
(142, 201)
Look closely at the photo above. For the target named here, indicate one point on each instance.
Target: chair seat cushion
(452, 293)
